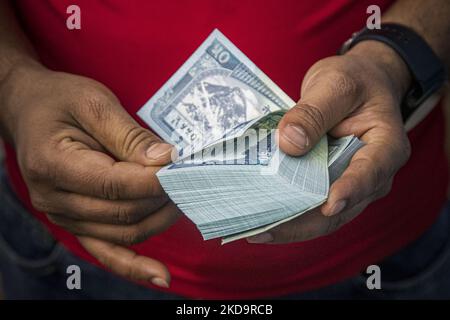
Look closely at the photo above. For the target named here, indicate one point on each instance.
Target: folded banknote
(229, 177)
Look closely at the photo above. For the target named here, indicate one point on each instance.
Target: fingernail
(158, 150)
(296, 135)
(338, 207)
(264, 237)
(160, 282)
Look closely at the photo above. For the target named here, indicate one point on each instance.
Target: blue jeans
(33, 266)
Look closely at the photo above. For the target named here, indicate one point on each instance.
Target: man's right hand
(88, 165)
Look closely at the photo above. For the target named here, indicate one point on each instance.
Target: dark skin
(110, 202)
(358, 93)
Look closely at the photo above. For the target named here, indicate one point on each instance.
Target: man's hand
(88, 165)
(358, 93)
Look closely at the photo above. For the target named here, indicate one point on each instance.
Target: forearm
(16, 57)
(14, 46)
(430, 19)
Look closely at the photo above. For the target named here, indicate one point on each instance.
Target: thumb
(326, 100)
(110, 124)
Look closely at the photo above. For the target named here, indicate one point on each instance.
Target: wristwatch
(428, 72)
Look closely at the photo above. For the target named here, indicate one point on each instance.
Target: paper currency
(230, 179)
(218, 89)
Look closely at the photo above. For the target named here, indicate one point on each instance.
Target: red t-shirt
(133, 47)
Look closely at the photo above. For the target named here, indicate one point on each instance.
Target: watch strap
(427, 70)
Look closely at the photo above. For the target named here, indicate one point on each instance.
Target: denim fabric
(33, 266)
(421, 270)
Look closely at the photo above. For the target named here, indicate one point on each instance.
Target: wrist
(14, 87)
(388, 61)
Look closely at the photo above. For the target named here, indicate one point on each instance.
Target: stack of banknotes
(229, 176)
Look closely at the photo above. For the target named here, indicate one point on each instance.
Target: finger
(327, 98)
(126, 262)
(308, 226)
(305, 227)
(103, 117)
(122, 234)
(81, 207)
(370, 170)
(94, 173)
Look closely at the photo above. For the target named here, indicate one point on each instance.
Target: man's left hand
(357, 93)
